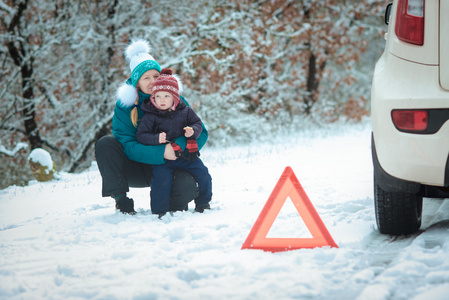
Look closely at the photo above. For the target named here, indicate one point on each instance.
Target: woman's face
(164, 100)
(145, 83)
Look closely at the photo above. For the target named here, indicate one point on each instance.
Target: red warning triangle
(288, 186)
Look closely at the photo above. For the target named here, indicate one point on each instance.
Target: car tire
(397, 213)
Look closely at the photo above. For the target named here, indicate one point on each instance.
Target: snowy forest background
(249, 68)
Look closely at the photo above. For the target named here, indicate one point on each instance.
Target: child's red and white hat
(167, 82)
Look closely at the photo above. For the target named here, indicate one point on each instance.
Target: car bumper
(421, 158)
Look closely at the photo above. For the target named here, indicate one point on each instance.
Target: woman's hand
(169, 152)
(162, 138)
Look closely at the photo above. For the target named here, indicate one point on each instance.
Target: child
(166, 118)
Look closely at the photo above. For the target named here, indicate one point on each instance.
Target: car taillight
(410, 21)
(410, 120)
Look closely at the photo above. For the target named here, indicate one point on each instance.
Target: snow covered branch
(6, 8)
(14, 151)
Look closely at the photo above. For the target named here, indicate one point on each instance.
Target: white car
(410, 114)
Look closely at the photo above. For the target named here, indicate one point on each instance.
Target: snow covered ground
(62, 240)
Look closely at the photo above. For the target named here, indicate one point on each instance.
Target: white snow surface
(62, 240)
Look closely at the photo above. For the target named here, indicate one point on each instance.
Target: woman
(125, 163)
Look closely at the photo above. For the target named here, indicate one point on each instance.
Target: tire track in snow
(384, 253)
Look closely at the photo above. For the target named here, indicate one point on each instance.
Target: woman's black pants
(120, 173)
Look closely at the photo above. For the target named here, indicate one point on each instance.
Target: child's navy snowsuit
(162, 182)
(172, 122)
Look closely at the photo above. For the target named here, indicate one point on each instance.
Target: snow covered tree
(56, 76)
(242, 63)
(269, 58)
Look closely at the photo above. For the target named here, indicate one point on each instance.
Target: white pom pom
(127, 95)
(180, 85)
(137, 47)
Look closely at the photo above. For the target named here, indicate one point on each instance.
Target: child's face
(164, 100)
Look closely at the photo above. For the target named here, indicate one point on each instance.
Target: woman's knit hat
(140, 61)
(167, 82)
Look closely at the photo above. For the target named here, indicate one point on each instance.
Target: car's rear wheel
(397, 213)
